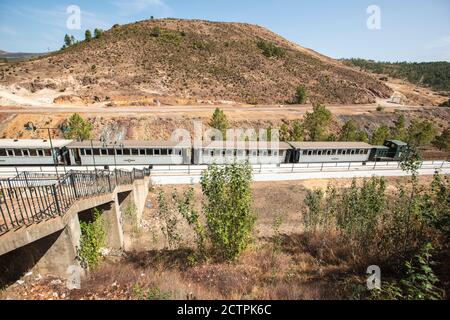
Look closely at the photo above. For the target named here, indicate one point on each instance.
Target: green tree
(297, 131)
(399, 130)
(228, 208)
(380, 135)
(442, 142)
(67, 40)
(285, 134)
(98, 33)
(351, 132)
(219, 121)
(88, 35)
(301, 95)
(78, 129)
(421, 133)
(316, 123)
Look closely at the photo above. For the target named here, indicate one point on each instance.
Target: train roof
(330, 145)
(129, 144)
(32, 143)
(397, 142)
(245, 145)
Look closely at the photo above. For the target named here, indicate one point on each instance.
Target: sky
(382, 30)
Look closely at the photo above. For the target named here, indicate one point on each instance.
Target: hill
(194, 59)
(435, 75)
(10, 56)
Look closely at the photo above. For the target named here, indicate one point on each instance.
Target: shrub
(169, 220)
(442, 142)
(271, 50)
(301, 95)
(93, 238)
(156, 32)
(227, 208)
(419, 283)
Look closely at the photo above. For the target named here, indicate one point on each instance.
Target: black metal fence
(32, 197)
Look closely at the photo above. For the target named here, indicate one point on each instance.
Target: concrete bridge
(40, 217)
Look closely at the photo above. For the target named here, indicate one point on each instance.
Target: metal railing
(31, 198)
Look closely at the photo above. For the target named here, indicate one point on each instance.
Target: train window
(344, 152)
(111, 152)
(334, 152)
(310, 152)
(104, 152)
(275, 153)
(142, 152)
(119, 152)
(96, 152)
(353, 152)
(149, 152)
(33, 153)
(164, 152)
(3, 153)
(88, 152)
(170, 151)
(48, 152)
(247, 152)
(178, 152)
(329, 152)
(40, 153)
(135, 152)
(319, 152)
(10, 152)
(26, 152)
(157, 152)
(126, 152)
(361, 151)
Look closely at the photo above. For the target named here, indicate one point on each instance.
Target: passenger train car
(149, 153)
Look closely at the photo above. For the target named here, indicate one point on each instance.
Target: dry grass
(129, 61)
(289, 264)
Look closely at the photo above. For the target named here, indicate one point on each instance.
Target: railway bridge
(40, 216)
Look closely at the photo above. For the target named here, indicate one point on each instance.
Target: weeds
(93, 238)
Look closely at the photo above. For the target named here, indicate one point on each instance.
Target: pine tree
(219, 121)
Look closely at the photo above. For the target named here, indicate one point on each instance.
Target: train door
(76, 156)
(64, 157)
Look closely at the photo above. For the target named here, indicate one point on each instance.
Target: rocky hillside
(194, 60)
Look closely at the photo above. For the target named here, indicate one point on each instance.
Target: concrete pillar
(114, 224)
(61, 257)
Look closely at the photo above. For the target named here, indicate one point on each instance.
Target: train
(43, 152)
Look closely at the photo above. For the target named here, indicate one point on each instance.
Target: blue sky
(411, 30)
